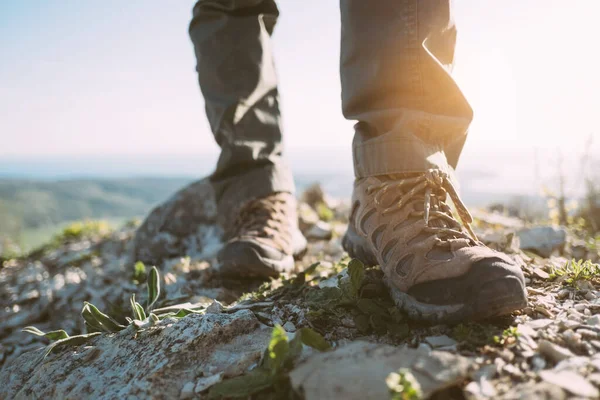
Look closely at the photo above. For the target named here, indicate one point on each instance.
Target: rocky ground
(328, 333)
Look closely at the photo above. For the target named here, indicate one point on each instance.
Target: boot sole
(250, 264)
(500, 296)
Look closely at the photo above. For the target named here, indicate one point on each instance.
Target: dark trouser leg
(396, 58)
(237, 77)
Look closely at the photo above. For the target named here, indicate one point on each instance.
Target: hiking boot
(435, 267)
(263, 239)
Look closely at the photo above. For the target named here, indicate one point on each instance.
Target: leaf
(242, 386)
(136, 309)
(54, 335)
(153, 288)
(71, 341)
(326, 297)
(90, 321)
(378, 324)
(313, 339)
(369, 307)
(139, 272)
(154, 318)
(399, 330)
(185, 312)
(278, 349)
(295, 350)
(362, 323)
(311, 270)
(107, 323)
(356, 270)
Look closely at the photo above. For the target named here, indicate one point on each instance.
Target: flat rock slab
(157, 363)
(358, 371)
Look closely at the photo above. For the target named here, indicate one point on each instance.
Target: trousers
(396, 59)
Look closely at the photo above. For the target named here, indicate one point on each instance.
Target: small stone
(188, 391)
(590, 296)
(594, 320)
(320, 231)
(424, 347)
(595, 343)
(488, 372)
(215, 308)
(594, 378)
(540, 273)
(571, 382)
(538, 363)
(572, 338)
(204, 383)
(579, 307)
(289, 327)
(539, 323)
(553, 351)
(480, 389)
(542, 239)
(569, 324)
(524, 329)
(563, 294)
(440, 341)
(588, 333)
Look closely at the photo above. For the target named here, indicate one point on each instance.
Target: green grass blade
(53, 335)
(153, 287)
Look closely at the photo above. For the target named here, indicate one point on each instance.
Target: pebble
(573, 339)
(188, 391)
(214, 308)
(440, 341)
(588, 333)
(563, 294)
(553, 351)
(540, 273)
(320, 231)
(590, 296)
(579, 307)
(539, 323)
(538, 363)
(571, 382)
(480, 389)
(594, 321)
(569, 324)
(289, 326)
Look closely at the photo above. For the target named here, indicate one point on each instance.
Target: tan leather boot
(263, 239)
(435, 267)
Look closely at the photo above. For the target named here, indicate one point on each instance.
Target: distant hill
(27, 204)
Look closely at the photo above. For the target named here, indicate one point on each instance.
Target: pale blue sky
(117, 77)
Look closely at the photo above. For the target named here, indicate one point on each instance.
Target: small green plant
(324, 212)
(403, 385)
(83, 229)
(139, 273)
(272, 373)
(98, 322)
(509, 336)
(574, 271)
(474, 335)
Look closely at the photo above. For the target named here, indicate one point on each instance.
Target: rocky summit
(144, 313)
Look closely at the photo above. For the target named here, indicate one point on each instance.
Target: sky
(117, 77)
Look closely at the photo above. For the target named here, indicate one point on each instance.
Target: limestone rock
(158, 363)
(542, 239)
(359, 370)
(185, 224)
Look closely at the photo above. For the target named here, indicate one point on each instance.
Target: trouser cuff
(393, 154)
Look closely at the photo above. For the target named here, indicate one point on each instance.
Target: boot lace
(265, 218)
(436, 185)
